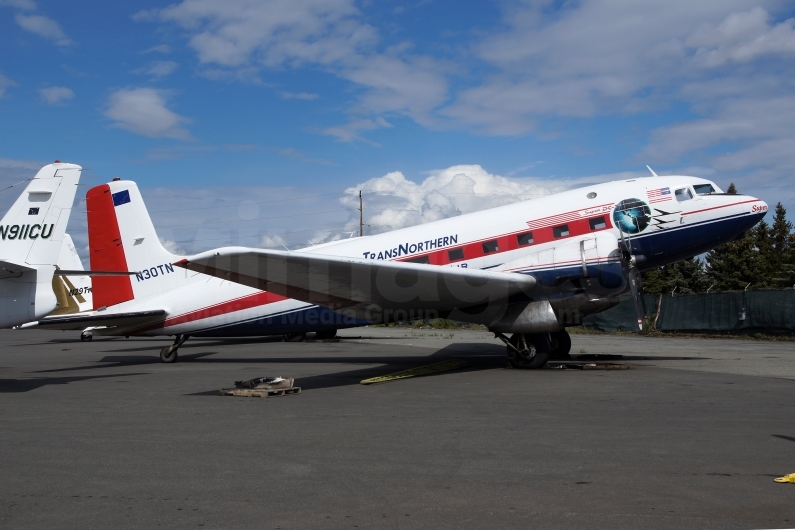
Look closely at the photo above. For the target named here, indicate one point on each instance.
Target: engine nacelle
(533, 317)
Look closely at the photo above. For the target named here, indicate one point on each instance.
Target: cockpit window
(684, 194)
(703, 189)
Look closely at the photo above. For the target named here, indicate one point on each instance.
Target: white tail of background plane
(31, 236)
(121, 237)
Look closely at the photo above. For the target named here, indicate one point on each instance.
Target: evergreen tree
(782, 266)
(732, 189)
(731, 267)
(683, 277)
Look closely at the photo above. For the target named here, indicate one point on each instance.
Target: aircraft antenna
(653, 174)
(361, 215)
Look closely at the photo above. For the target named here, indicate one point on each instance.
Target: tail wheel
(533, 351)
(168, 354)
(294, 337)
(560, 345)
(326, 334)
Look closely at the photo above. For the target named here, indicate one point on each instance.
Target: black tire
(326, 334)
(538, 356)
(167, 355)
(560, 345)
(294, 337)
(86, 337)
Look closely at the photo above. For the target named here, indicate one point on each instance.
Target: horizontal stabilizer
(372, 289)
(12, 270)
(95, 319)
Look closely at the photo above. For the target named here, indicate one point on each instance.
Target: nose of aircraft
(757, 206)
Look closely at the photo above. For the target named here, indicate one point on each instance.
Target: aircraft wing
(375, 290)
(82, 321)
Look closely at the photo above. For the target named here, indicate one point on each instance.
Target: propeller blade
(636, 286)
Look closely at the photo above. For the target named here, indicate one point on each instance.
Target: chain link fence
(745, 312)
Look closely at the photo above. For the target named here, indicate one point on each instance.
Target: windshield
(703, 189)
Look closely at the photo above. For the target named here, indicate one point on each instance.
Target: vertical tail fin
(121, 237)
(33, 229)
(31, 236)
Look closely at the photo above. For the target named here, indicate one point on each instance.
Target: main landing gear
(169, 353)
(560, 346)
(526, 350)
(531, 351)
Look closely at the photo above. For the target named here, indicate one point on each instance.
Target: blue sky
(213, 104)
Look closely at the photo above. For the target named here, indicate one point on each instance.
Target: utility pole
(361, 218)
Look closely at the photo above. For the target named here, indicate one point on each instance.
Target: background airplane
(529, 269)
(73, 292)
(31, 239)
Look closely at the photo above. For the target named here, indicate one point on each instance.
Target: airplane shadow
(476, 361)
(26, 385)
(480, 359)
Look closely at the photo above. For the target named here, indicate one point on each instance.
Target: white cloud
(238, 35)
(56, 94)
(350, 131)
(159, 68)
(172, 246)
(4, 84)
(742, 37)
(398, 202)
(764, 127)
(602, 57)
(272, 241)
(25, 5)
(143, 111)
(160, 48)
(298, 95)
(44, 27)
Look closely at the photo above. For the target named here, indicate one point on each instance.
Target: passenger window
(561, 231)
(525, 239)
(598, 223)
(456, 254)
(421, 259)
(489, 247)
(684, 194)
(703, 189)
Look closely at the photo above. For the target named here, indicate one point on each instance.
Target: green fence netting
(758, 311)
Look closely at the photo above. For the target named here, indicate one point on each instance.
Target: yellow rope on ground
(452, 364)
(786, 479)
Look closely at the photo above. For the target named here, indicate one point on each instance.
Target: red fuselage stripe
(223, 308)
(718, 207)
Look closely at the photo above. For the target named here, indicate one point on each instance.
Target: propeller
(632, 274)
(635, 284)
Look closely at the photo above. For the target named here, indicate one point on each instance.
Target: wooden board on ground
(585, 366)
(248, 392)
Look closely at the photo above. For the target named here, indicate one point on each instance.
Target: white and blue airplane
(32, 235)
(529, 269)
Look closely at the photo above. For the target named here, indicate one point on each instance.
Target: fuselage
(662, 219)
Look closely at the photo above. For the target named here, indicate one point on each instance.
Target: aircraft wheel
(326, 334)
(294, 337)
(533, 351)
(168, 355)
(560, 345)
(86, 336)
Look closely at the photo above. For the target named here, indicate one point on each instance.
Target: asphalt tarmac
(102, 435)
